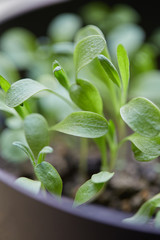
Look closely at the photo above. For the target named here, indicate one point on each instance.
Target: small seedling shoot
(98, 97)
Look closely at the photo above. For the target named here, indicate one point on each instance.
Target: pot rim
(92, 212)
(15, 8)
(87, 211)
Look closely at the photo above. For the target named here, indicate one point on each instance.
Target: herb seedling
(88, 120)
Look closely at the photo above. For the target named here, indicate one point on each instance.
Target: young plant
(91, 53)
(89, 119)
(83, 124)
(143, 117)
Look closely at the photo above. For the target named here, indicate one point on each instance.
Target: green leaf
(5, 85)
(49, 177)
(26, 150)
(142, 116)
(30, 185)
(141, 156)
(4, 107)
(43, 152)
(87, 192)
(91, 30)
(88, 49)
(88, 31)
(21, 90)
(60, 74)
(83, 124)
(145, 212)
(101, 177)
(86, 96)
(110, 70)
(123, 63)
(149, 146)
(36, 132)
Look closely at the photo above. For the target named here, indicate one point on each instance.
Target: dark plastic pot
(25, 216)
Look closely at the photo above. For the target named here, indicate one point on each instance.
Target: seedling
(88, 119)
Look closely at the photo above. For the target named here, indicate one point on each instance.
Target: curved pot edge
(86, 211)
(8, 11)
(92, 212)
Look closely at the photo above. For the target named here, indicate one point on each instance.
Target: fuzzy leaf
(26, 150)
(145, 212)
(149, 146)
(88, 49)
(110, 70)
(87, 192)
(30, 185)
(4, 107)
(21, 90)
(83, 124)
(88, 31)
(36, 132)
(142, 116)
(123, 63)
(86, 96)
(49, 177)
(43, 152)
(101, 177)
(60, 74)
(141, 156)
(5, 85)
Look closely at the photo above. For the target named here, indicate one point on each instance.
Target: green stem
(101, 143)
(20, 111)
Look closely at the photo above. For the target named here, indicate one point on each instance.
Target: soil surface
(132, 184)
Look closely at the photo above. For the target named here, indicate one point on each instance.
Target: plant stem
(101, 143)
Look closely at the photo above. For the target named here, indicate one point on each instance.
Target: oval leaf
(30, 185)
(88, 191)
(149, 146)
(110, 70)
(26, 150)
(86, 96)
(4, 107)
(141, 156)
(88, 31)
(21, 90)
(142, 116)
(49, 177)
(43, 152)
(145, 212)
(101, 177)
(36, 132)
(88, 49)
(83, 124)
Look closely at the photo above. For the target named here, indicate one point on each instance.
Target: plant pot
(27, 216)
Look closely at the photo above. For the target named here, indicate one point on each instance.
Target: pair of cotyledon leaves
(143, 117)
(83, 124)
(45, 172)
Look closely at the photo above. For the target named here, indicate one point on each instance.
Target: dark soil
(132, 184)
